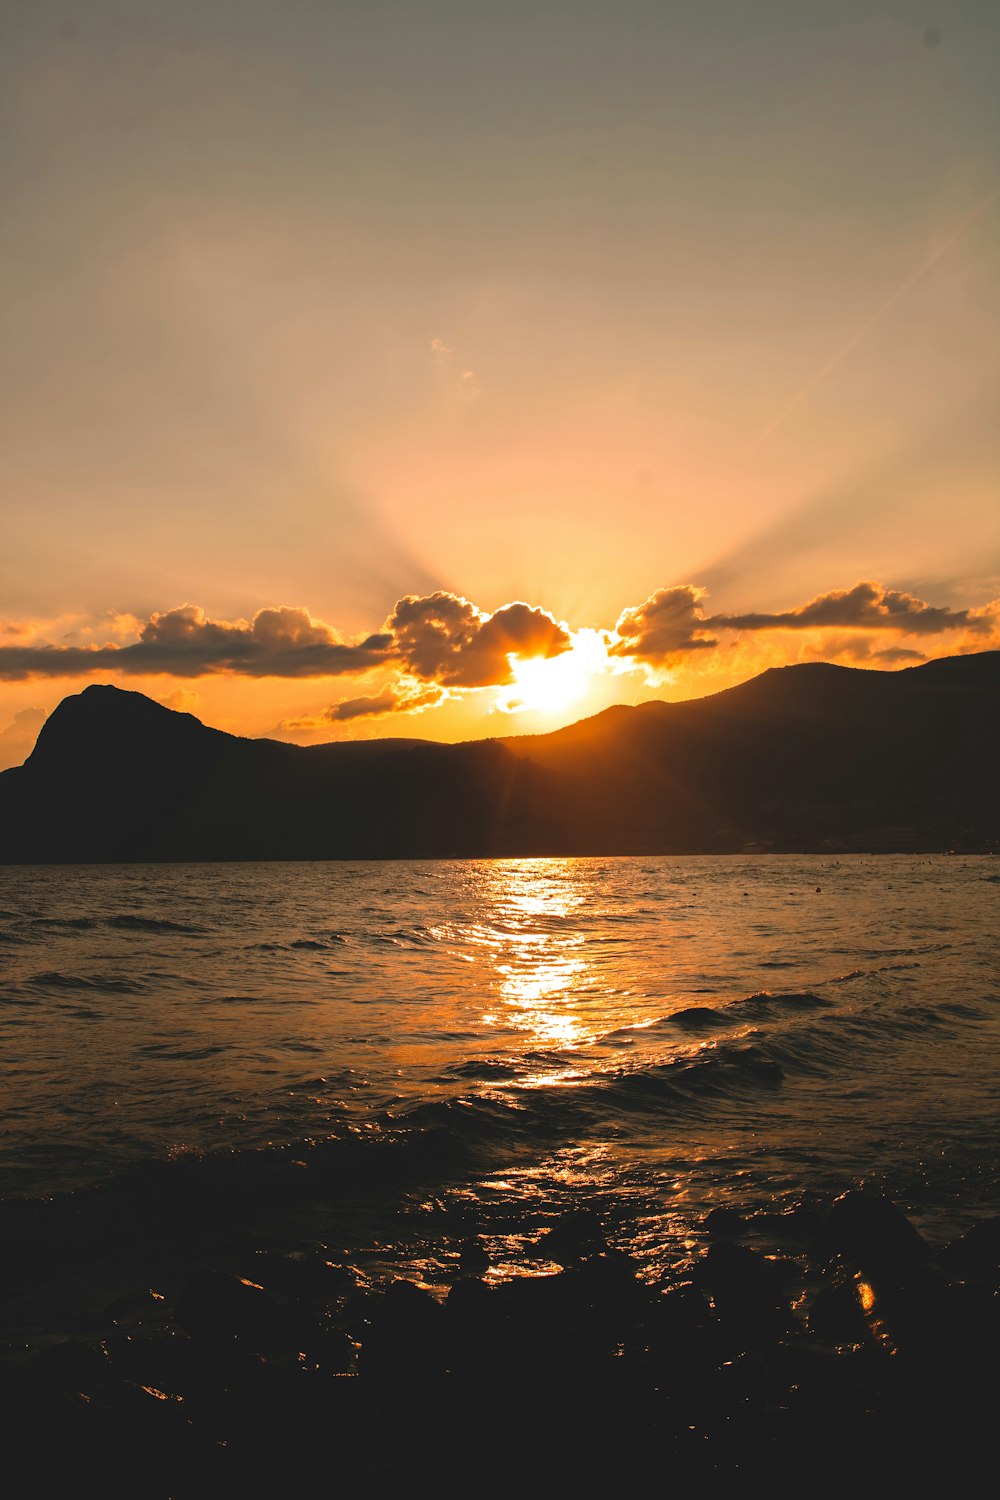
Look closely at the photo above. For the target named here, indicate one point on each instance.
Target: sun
(550, 684)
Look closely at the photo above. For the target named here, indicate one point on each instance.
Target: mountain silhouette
(808, 757)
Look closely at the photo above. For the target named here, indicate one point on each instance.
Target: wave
(123, 922)
(497, 1111)
(116, 983)
(135, 923)
(430, 1140)
(696, 1018)
(307, 944)
(486, 1069)
(764, 1003)
(157, 1050)
(402, 937)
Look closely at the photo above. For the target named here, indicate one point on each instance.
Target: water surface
(662, 1033)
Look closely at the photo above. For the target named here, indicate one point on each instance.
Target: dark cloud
(391, 700)
(184, 642)
(438, 637)
(894, 654)
(443, 638)
(865, 648)
(867, 606)
(400, 697)
(663, 627)
(673, 621)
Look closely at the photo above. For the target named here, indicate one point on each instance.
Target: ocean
(443, 1177)
(394, 1056)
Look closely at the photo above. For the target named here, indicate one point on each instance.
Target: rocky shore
(805, 1352)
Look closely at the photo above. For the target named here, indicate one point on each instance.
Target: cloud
(391, 700)
(984, 621)
(183, 701)
(665, 626)
(395, 698)
(444, 638)
(862, 648)
(438, 637)
(867, 605)
(184, 642)
(18, 740)
(115, 622)
(456, 382)
(673, 621)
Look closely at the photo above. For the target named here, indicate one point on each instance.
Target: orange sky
(677, 324)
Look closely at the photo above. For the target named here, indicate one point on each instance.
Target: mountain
(809, 757)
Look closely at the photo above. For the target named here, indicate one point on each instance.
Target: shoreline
(834, 855)
(804, 1350)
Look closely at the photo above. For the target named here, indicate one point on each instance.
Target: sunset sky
(447, 368)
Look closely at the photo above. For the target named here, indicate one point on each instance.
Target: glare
(549, 684)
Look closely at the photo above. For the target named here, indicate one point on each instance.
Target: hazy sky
(316, 305)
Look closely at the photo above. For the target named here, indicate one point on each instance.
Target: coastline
(804, 1350)
(504, 1178)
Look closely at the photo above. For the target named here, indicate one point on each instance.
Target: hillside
(800, 758)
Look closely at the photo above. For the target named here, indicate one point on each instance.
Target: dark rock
(972, 1310)
(475, 1327)
(744, 1286)
(306, 1278)
(541, 1302)
(609, 1300)
(976, 1252)
(865, 1227)
(47, 1431)
(473, 1258)
(796, 1226)
(408, 1335)
(72, 1365)
(219, 1306)
(835, 1314)
(330, 1350)
(553, 1327)
(360, 1312)
(578, 1234)
(168, 1361)
(681, 1310)
(133, 1306)
(907, 1306)
(608, 1277)
(724, 1223)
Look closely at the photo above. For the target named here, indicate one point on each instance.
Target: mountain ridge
(807, 757)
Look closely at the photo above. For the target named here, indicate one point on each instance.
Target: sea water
(441, 1048)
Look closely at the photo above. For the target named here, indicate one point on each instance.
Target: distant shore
(986, 851)
(812, 758)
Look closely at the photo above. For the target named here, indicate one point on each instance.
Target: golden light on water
(538, 962)
(536, 987)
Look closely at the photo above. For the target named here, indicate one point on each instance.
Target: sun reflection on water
(539, 967)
